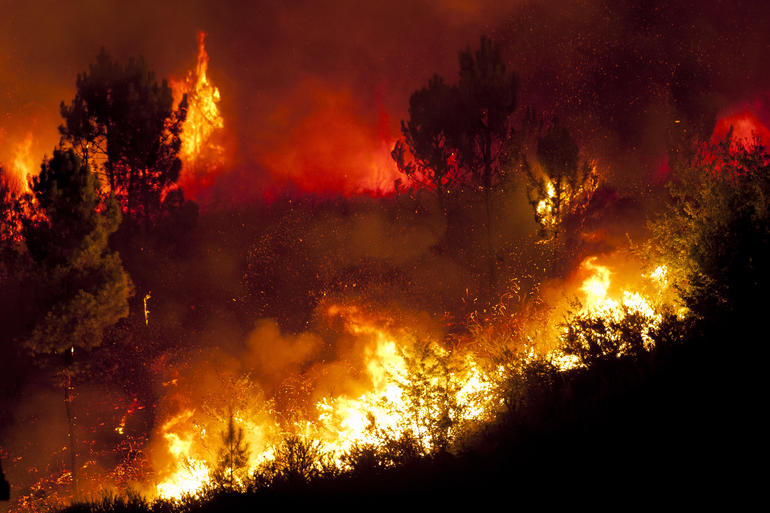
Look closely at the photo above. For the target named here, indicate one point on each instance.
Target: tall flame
(201, 151)
(23, 165)
(610, 306)
(598, 300)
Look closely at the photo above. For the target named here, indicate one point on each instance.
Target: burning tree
(563, 185)
(201, 148)
(10, 223)
(124, 124)
(430, 139)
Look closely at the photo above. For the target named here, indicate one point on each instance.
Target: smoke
(273, 356)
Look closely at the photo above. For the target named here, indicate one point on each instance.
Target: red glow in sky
(746, 126)
(330, 144)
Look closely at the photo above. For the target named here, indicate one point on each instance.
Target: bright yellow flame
(204, 120)
(545, 207)
(406, 388)
(456, 389)
(188, 480)
(660, 275)
(599, 303)
(189, 474)
(595, 287)
(425, 392)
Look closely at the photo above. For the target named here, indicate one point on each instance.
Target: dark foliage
(463, 135)
(716, 234)
(80, 286)
(123, 122)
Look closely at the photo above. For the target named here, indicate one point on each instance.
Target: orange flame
(453, 387)
(23, 165)
(641, 296)
(201, 151)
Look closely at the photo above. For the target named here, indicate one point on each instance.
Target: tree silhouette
(464, 134)
(487, 100)
(124, 124)
(10, 226)
(297, 461)
(486, 143)
(595, 338)
(233, 458)
(429, 138)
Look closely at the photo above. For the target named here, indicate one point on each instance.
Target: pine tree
(463, 134)
(123, 123)
(79, 285)
(233, 458)
(429, 139)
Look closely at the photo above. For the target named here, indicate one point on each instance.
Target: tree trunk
(490, 247)
(71, 431)
(130, 199)
(146, 199)
(488, 207)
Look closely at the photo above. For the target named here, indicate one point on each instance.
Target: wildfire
(423, 391)
(189, 474)
(596, 285)
(408, 388)
(545, 206)
(607, 308)
(412, 388)
(555, 199)
(23, 165)
(745, 126)
(201, 150)
(395, 387)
